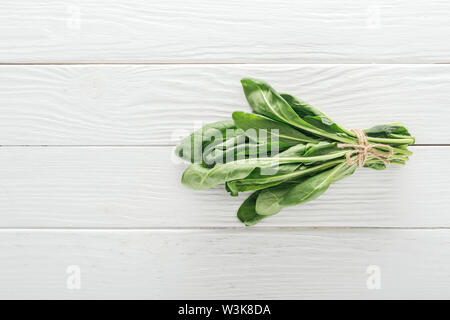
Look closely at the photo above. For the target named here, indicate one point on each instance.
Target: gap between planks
(209, 63)
(146, 145)
(259, 228)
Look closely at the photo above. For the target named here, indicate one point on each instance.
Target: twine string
(363, 149)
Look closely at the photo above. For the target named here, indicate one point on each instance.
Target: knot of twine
(364, 149)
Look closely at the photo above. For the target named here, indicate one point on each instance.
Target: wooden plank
(220, 264)
(138, 187)
(156, 105)
(232, 31)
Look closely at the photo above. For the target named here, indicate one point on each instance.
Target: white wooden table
(95, 94)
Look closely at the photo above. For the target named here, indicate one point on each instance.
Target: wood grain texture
(156, 105)
(139, 187)
(220, 264)
(120, 213)
(252, 31)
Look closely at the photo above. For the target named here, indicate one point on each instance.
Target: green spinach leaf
(193, 146)
(271, 200)
(247, 213)
(283, 132)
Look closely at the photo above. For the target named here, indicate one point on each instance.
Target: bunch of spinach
(286, 151)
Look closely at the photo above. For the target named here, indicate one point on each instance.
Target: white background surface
(95, 94)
